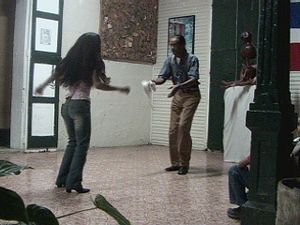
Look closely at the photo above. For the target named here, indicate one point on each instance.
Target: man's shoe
(79, 190)
(183, 170)
(234, 213)
(172, 168)
(60, 185)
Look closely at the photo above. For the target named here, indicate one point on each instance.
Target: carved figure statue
(248, 71)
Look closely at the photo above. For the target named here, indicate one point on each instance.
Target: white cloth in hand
(149, 87)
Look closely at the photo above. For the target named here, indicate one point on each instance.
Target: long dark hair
(81, 60)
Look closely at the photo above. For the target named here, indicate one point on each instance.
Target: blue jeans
(238, 181)
(77, 117)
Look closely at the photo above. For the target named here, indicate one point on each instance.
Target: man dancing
(184, 70)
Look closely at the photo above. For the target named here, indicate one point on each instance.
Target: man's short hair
(180, 38)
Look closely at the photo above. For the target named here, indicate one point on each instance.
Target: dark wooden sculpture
(248, 71)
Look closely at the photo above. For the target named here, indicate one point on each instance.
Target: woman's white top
(80, 91)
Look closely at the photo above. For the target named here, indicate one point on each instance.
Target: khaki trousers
(183, 108)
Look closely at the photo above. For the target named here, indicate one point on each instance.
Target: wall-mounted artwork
(46, 35)
(48, 6)
(40, 73)
(129, 30)
(184, 26)
(42, 123)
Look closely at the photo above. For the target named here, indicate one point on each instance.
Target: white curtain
(236, 136)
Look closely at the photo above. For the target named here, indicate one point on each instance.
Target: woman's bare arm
(41, 87)
(106, 87)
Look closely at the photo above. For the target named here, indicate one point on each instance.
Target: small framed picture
(184, 26)
(47, 6)
(46, 35)
(40, 73)
(42, 123)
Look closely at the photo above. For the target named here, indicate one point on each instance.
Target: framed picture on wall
(184, 26)
(41, 71)
(46, 35)
(48, 6)
(42, 123)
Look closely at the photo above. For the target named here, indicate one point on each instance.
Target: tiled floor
(133, 180)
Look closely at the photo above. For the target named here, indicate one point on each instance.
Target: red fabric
(295, 56)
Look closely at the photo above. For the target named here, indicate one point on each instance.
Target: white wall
(20, 78)
(117, 120)
(160, 115)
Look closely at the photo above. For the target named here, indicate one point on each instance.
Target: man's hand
(245, 162)
(158, 81)
(174, 88)
(225, 83)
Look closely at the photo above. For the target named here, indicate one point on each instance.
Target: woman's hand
(39, 90)
(124, 90)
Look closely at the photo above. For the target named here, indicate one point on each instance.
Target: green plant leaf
(13, 223)
(41, 215)
(101, 203)
(12, 206)
(7, 168)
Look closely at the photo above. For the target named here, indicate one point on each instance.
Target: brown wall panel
(129, 30)
(7, 14)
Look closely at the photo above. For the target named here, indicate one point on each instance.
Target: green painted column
(229, 19)
(271, 117)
